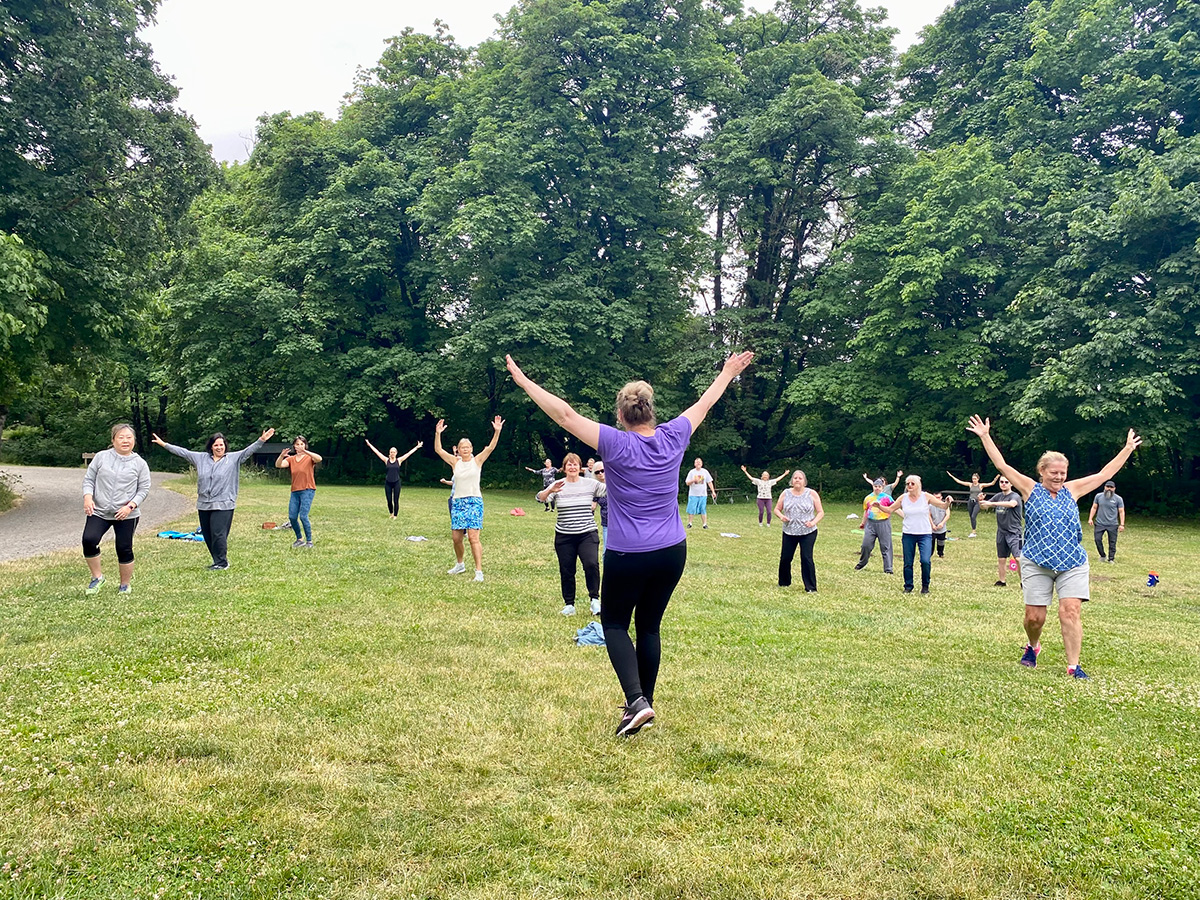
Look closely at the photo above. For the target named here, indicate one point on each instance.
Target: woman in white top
(575, 533)
(466, 509)
(800, 511)
(913, 506)
(764, 485)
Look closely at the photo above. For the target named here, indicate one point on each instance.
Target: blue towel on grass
(591, 635)
(182, 535)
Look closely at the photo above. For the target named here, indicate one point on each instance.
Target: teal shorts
(698, 506)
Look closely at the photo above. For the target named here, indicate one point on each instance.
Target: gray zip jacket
(216, 479)
(113, 480)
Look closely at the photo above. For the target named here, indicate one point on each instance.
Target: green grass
(349, 722)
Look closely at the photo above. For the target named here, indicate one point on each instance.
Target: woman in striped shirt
(575, 534)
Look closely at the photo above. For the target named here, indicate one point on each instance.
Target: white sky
(234, 60)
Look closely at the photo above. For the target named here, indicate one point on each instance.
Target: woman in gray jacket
(116, 483)
(216, 489)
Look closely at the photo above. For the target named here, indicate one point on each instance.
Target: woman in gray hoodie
(216, 488)
(116, 483)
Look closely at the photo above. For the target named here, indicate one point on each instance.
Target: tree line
(1004, 219)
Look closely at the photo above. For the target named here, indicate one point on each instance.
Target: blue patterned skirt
(466, 512)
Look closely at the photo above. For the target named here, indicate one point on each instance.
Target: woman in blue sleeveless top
(1052, 556)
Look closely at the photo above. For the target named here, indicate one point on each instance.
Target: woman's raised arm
(556, 408)
(734, 366)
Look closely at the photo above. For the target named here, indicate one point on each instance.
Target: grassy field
(350, 722)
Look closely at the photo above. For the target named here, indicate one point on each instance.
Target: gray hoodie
(216, 479)
(113, 480)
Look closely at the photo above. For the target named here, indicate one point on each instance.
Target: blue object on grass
(591, 635)
(182, 535)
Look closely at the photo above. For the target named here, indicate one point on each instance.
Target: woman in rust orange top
(300, 461)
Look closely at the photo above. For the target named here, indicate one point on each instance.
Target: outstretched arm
(556, 408)
(497, 424)
(734, 366)
(447, 458)
(892, 486)
(190, 455)
(1082, 486)
(747, 474)
(375, 450)
(990, 483)
(868, 479)
(959, 480)
(401, 459)
(983, 428)
(934, 501)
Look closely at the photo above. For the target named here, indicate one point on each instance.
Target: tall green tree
(97, 169)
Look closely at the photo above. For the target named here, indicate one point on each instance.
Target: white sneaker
(760, 524)
(595, 606)
(478, 575)
(457, 569)
(568, 610)
(972, 534)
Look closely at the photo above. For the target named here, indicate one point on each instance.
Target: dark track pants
(215, 525)
(638, 586)
(95, 528)
(392, 490)
(808, 569)
(1111, 531)
(586, 549)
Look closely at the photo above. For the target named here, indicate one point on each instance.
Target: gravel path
(50, 514)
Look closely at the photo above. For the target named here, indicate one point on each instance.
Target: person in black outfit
(391, 484)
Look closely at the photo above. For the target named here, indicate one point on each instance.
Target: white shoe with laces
(567, 610)
(595, 606)
(457, 569)
(478, 575)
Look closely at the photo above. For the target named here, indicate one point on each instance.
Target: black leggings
(392, 490)
(95, 528)
(939, 542)
(638, 586)
(585, 548)
(808, 569)
(214, 525)
(973, 510)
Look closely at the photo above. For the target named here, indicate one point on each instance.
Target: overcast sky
(234, 60)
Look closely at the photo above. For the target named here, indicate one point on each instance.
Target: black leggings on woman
(95, 528)
(392, 489)
(808, 569)
(585, 548)
(215, 525)
(638, 586)
(973, 508)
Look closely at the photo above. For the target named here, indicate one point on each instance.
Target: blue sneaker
(1029, 657)
(94, 585)
(1078, 672)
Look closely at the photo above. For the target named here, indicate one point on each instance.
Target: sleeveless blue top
(1053, 536)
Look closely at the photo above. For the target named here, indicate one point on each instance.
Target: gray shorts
(1039, 584)
(1008, 545)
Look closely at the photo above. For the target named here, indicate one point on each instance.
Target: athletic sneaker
(94, 585)
(457, 569)
(218, 567)
(1029, 657)
(568, 610)
(760, 524)
(635, 717)
(308, 545)
(1079, 673)
(861, 565)
(1000, 584)
(908, 589)
(595, 606)
(689, 524)
(128, 589)
(478, 575)
(925, 590)
(972, 534)
(706, 528)
(297, 543)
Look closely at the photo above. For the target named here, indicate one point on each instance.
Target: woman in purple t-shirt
(647, 547)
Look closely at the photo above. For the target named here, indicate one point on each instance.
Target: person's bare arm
(779, 509)
(934, 501)
(556, 408)
(448, 458)
(818, 509)
(1121, 519)
(375, 450)
(482, 457)
(959, 480)
(983, 429)
(734, 366)
(1092, 513)
(892, 486)
(401, 459)
(316, 457)
(1083, 486)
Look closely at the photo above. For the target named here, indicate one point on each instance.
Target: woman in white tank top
(913, 506)
(466, 505)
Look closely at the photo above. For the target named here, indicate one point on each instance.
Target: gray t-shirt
(1106, 510)
(1008, 519)
(937, 516)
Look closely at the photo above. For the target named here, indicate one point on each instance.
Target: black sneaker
(636, 716)
(860, 566)
(925, 590)
(908, 589)
(1000, 584)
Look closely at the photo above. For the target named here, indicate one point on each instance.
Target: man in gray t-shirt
(1108, 516)
(1007, 504)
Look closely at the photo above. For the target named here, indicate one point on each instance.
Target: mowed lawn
(350, 722)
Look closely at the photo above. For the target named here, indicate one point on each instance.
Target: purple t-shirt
(643, 489)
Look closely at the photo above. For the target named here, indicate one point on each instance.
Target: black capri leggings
(585, 548)
(638, 586)
(392, 490)
(95, 528)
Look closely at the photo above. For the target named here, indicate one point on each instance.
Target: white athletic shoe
(478, 575)
(457, 569)
(595, 606)
(568, 610)
(760, 524)
(972, 534)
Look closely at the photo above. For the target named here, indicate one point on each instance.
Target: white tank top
(466, 479)
(916, 514)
